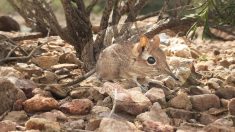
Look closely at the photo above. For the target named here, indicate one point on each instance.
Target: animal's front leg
(144, 88)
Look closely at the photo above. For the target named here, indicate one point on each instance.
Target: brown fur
(129, 61)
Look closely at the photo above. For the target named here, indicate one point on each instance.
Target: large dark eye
(151, 60)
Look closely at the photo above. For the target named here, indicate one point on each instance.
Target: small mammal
(8, 24)
(143, 59)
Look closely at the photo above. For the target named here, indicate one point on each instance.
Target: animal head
(149, 58)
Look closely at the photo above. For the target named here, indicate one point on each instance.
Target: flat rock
(79, 93)
(45, 61)
(181, 101)
(112, 125)
(215, 83)
(228, 92)
(220, 125)
(66, 65)
(40, 103)
(10, 72)
(16, 116)
(26, 85)
(42, 125)
(197, 90)
(207, 119)
(205, 102)
(153, 126)
(182, 68)
(231, 79)
(30, 69)
(155, 94)
(155, 114)
(181, 114)
(69, 58)
(131, 101)
(7, 126)
(9, 95)
(73, 125)
(54, 115)
(179, 48)
(77, 106)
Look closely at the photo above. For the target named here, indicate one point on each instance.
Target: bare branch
(90, 6)
(21, 58)
(103, 25)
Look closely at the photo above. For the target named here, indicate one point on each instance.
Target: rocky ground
(33, 97)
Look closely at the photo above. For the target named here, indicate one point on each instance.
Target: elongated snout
(169, 72)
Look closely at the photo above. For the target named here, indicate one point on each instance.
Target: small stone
(184, 67)
(9, 95)
(155, 114)
(220, 125)
(93, 124)
(215, 83)
(232, 67)
(10, 72)
(30, 69)
(205, 102)
(45, 61)
(100, 109)
(181, 101)
(170, 82)
(179, 48)
(73, 125)
(16, 116)
(227, 92)
(231, 79)
(231, 107)
(216, 52)
(197, 90)
(206, 119)
(224, 63)
(77, 106)
(48, 78)
(7, 126)
(224, 103)
(153, 126)
(39, 103)
(80, 93)
(69, 58)
(41, 92)
(112, 125)
(58, 90)
(54, 115)
(27, 86)
(155, 94)
(201, 66)
(181, 114)
(131, 101)
(42, 125)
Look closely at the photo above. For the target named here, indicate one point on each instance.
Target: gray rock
(9, 94)
(205, 102)
(227, 92)
(112, 125)
(20, 117)
(7, 126)
(42, 125)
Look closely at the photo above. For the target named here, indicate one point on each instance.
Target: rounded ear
(139, 47)
(154, 44)
(156, 41)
